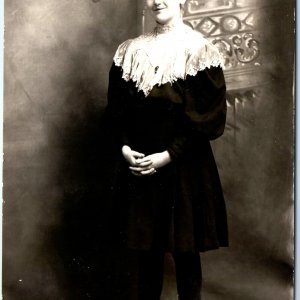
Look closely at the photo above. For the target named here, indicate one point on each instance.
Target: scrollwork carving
(238, 49)
(246, 49)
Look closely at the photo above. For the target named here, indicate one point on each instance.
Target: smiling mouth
(159, 9)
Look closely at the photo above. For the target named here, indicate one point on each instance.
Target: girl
(166, 100)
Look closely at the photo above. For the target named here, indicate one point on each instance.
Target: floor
(229, 275)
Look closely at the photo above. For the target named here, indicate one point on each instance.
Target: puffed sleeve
(117, 105)
(205, 109)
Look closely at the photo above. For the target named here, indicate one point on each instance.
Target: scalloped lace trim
(158, 58)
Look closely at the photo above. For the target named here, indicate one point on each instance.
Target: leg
(188, 275)
(150, 275)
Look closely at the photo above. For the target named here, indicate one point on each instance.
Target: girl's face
(165, 11)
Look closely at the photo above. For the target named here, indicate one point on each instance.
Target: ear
(182, 2)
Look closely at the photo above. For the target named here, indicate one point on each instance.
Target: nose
(157, 2)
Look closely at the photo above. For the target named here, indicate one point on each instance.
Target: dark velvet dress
(181, 207)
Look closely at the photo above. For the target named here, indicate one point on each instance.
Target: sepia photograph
(148, 150)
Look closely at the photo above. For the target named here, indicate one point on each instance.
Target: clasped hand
(141, 165)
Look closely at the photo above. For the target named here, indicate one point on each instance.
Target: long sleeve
(117, 105)
(205, 109)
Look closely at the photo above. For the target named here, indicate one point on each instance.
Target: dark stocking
(150, 275)
(188, 275)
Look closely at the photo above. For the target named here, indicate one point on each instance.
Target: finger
(136, 173)
(148, 157)
(154, 171)
(137, 154)
(148, 172)
(144, 163)
(138, 169)
(144, 159)
(132, 162)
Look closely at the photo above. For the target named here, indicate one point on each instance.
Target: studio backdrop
(57, 57)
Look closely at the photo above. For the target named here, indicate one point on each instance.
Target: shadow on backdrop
(57, 58)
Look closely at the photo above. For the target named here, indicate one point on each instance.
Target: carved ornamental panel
(233, 27)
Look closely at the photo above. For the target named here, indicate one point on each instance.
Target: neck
(175, 20)
(169, 26)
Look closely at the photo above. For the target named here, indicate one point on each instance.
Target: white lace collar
(165, 55)
(161, 29)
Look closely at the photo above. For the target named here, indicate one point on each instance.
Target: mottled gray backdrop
(57, 57)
